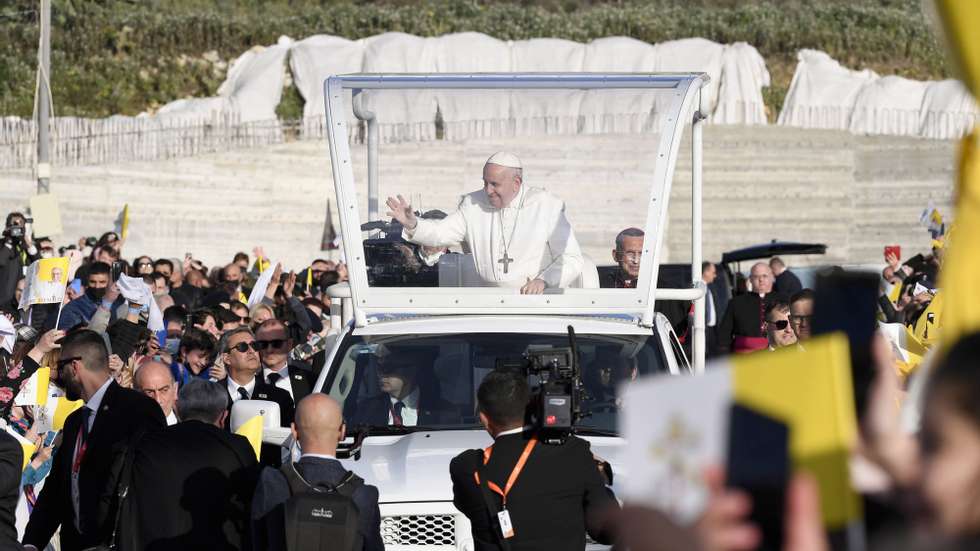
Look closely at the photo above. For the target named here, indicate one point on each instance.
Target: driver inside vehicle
(603, 375)
(408, 394)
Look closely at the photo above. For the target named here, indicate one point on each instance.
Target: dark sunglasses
(244, 319)
(780, 325)
(274, 343)
(65, 361)
(244, 346)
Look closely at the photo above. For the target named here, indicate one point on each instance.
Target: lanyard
(513, 474)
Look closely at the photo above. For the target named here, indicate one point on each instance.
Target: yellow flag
(252, 429)
(124, 226)
(820, 413)
(959, 19)
(64, 408)
(43, 379)
(928, 327)
(28, 452)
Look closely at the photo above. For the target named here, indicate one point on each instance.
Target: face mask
(95, 294)
(172, 346)
(47, 254)
(160, 294)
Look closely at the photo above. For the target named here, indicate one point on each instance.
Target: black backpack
(323, 516)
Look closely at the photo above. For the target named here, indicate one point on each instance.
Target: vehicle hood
(415, 467)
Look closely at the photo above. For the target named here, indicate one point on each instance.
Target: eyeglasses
(243, 347)
(65, 361)
(797, 320)
(244, 319)
(632, 256)
(273, 343)
(779, 324)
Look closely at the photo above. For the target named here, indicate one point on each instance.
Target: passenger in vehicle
(519, 235)
(407, 397)
(629, 249)
(602, 377)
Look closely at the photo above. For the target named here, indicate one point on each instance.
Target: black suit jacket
(553, 503)
(273, 491)
(122, 414)
(191, 487)
(301, 381)
(375, 410)
(744, 317)
(11, 461)
(787, 284)
(271, 454)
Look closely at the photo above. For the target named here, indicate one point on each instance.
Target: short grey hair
(223, 342)
(628, 232)
(201, 400)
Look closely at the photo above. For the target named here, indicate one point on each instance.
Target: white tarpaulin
(255, 81)
(621, 110)
(314, 59)
(743, 76)
(552, 112)
(822, 93)
(694, 54)
(408, 115)
(948, 110)
(888, 105)
(473, 114)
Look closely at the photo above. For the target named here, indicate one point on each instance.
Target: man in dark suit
(786, 283)
(318, 428)
(11, 465)
(191, 483)
(742, 328)
(274, 343)
(558, 495)
(405, 398)
(80, 470)
(241, 359)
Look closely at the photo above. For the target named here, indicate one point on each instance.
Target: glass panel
(440, 374)
(509, 186)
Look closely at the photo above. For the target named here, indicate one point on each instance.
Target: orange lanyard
(513, 474)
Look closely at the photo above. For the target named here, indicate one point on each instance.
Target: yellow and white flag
(25, 444)
(252, 429)
(35, 392)
(677, 426)
(47, 280)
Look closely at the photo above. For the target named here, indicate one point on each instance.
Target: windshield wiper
(591, 431)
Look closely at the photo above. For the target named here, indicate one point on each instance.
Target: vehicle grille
(419, 530)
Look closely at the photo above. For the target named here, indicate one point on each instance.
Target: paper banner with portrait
(47, 280)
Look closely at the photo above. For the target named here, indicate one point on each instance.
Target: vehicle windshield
(431, 380)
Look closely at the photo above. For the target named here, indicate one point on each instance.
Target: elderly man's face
(156, 382)
(56, 275)
(761, 278)
(779, 330)
(501, 184)
(800, 316)
(629, 256)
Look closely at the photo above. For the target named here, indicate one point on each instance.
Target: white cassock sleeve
(566, 264)
(447, 232)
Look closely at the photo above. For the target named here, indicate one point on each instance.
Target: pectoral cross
(506, 260)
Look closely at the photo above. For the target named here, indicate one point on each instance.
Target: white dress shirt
(283, 381)
(318, 456)
(233, 389)
(95, 401)
(410, 413)
(171, 419)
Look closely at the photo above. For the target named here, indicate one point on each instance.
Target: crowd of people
(157, 401)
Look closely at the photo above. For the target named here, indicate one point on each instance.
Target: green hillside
(117, 56)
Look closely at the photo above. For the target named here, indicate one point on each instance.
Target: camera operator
(522, 494)
(16, 251)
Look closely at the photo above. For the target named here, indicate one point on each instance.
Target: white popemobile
(411, 353)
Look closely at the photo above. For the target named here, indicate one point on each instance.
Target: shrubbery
(118, 56)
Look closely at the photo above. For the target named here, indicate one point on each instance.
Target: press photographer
(16, 251)
(523, 493)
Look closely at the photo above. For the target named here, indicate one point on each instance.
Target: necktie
(273, 377)
(76, 465)
(396, 414)
(243, 393)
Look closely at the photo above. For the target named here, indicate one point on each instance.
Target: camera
(557, 389)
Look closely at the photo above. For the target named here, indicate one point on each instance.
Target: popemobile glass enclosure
(512, 192)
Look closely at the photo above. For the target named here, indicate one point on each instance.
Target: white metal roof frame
(684, 109)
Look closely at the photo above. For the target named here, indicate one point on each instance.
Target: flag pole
(60, 306)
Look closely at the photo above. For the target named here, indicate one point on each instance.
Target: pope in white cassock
(519, 235)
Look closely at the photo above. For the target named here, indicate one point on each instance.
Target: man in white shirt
(519, 235)
(154, 379)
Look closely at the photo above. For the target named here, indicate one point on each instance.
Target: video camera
(557, 391)
(14, 233)
(390, 261)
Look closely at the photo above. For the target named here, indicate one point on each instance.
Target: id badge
(506, 528)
